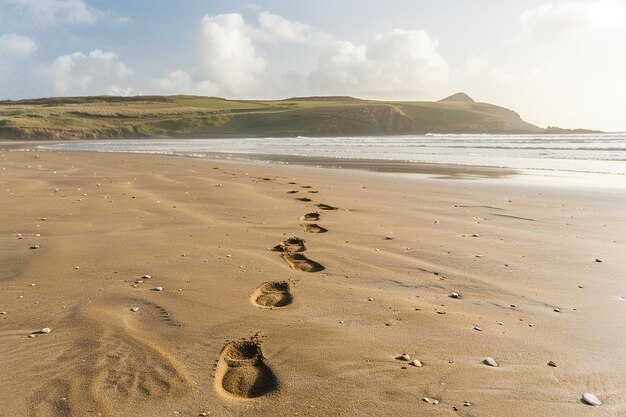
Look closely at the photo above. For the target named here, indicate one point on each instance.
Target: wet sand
(308, 328)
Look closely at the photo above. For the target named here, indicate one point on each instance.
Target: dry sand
(316, 343)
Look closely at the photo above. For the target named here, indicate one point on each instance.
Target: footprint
(305, 199)
(305, 186)
(130, 369)
(292, 192)
(313, 228)
(313, 192)
(53, 400)
(310, 217)
(299, 262)
(293, 244)
(242, 372)
(272, 294)
(325, 207)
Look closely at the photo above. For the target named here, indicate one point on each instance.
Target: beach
(150, 271)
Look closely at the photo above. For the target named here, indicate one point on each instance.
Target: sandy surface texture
(175, 286)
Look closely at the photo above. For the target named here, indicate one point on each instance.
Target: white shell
(405, 357)
(591, 399)
(147, 276)
(157, 289)
(491, 362)
(134, 309)
(46, 330)
(416, 363)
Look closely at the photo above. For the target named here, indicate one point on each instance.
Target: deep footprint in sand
(293, 244)
(242, 372)
(313, 228)
(299, 262)
(325, 207)
(292, 192)
(305, 199)
(273, 294)
(310, 217)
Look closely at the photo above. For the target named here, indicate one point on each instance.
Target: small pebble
(46, 330)
(134, 309)
(598, 260)
(31, 336)
(490, 361)
(475, 235)
(405, 357)
(157, 289)
(455, 295)
(478, 328)
(388, 238)
(591, 399)
(416, 363)
(426, 399)
(146, 276)
(557, 310)
(33, 247)
(466, 404)
(370, 299)
(552, 364)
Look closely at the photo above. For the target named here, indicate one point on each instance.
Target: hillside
(192, 116)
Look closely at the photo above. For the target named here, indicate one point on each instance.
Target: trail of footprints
(241, 370)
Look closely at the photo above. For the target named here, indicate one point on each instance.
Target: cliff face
(188, 116)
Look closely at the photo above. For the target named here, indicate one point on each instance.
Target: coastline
(204, 227)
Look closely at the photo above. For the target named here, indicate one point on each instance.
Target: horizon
(538, 59)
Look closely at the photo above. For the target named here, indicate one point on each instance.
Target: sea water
(583, 153)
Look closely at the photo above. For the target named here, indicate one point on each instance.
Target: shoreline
(393, 252)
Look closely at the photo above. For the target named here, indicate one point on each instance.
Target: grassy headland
(193, 116)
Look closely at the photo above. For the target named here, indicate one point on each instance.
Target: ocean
(584, 153)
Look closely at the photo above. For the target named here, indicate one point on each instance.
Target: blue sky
(555, 62)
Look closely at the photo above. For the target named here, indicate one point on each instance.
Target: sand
(242, 329)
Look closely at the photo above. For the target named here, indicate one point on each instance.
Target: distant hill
(458, 98)
(103, 117)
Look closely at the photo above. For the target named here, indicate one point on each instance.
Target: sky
(557, 63)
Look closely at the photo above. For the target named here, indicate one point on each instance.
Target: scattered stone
(45, 330)
(134, 309)
(466, 404)
(552, 364)
(475, 235)
(370, 299)
(416, 363)
(513, 305)
(426, 399)
(157, 289)
(435, 402)
(599, 260)
(490, 361)
(146, 276)
(441, 312)
(33, 247)
(77, 267)
(478, 328)
(388, 238)
(455, 295)
(31, 336)
(591, 399)
(404, 357)
(3, 313)
(557, 310)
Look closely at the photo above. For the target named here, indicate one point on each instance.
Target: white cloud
(93, 73)
(14, 46)
(114, 90)
(228, 62)
(277, 27)
(399, 64)
(557, 20)
(228, 55)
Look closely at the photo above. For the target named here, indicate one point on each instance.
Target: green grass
(185, 116)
